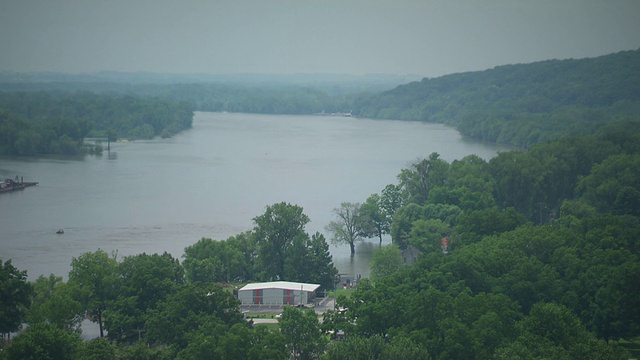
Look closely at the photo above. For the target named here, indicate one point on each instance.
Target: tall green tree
(426, 235)
(374, 309)
(391, 199)
(403, 220)
(44, 341)
(421, 177)
(553, 331)
(15, 297)
(319, 259)
(212, 261)
(612, 186)
(348, 226)
(95, 274)
(267, 344)
(297, 266)
(98, 349)
(54, 302)
(228, 260)
(202, 261)
(245, 242)
(376, 222)
(301, 332)
(275, 232)
(192, 310)
(386, 260)
(518, 178)
(473, 225)
(142, 281)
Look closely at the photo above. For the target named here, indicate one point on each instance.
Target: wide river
(210, 181)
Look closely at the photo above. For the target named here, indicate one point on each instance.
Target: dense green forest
(533, 254)
(266, 94)
(522, 104)
(542, 261)
(57, 122)
(53, 113)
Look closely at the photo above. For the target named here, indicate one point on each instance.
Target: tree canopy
(523, 104)
(348, 226)
(57, 122)
(95, 274)
(277, 232)
(531, 254)
(15, 293)
(278, 248)
(542, 270)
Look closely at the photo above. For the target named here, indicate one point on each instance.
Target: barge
(9, 185)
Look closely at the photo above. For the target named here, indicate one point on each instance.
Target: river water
(210, 181)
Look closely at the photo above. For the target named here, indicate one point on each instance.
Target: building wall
(272, 296)
(245, 296)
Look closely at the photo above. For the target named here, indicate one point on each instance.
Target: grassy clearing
(344, 292)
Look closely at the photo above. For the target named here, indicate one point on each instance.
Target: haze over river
(210, 181)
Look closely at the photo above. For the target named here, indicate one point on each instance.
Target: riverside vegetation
(542, 261)
(520, 105)
(56, 122)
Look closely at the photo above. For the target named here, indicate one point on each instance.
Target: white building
(278, 293)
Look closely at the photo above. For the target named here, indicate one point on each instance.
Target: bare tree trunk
(100, 323)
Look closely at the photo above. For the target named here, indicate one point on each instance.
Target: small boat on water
(60, 231)
(9, 185)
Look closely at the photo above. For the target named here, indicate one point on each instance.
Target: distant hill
(250, 93)
(146, 83)
(521, 105)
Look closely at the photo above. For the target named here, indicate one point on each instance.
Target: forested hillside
(521, 105)
(265, 94)
(541, 261)
(56, 122)
(534, 254)
(541, 258)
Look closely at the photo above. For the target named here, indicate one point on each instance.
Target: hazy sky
(418, 37)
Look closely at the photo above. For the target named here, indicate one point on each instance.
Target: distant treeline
(258, 99)
(265, 94)
(56, 122)
(521, 105)
(218, 97)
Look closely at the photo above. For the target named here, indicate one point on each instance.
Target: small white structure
(278, 293)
